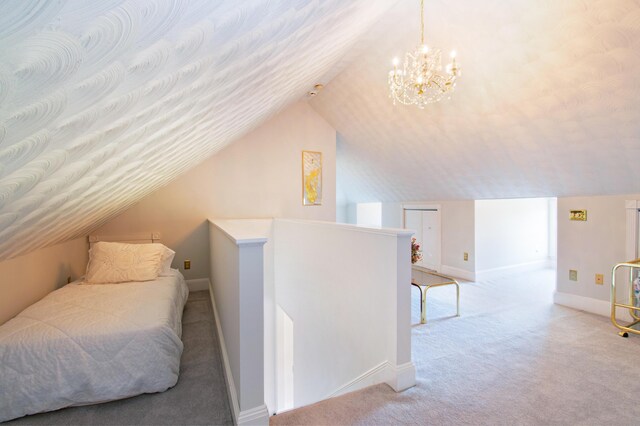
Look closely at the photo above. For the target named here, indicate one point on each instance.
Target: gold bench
(424, 283)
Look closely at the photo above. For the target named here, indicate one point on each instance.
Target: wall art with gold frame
(311, 178)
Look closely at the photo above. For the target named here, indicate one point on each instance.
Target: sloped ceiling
(103, 101)
(548, 104)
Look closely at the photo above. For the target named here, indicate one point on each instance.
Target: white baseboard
(488, 274)
(253, 416)
(402, 377)
(587, 304)
(198, 284)
(399, 378)
(377, 374)
(458, 273)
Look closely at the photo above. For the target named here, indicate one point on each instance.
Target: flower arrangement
(416, 253)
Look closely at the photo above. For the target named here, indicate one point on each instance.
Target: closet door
(413, 220)
(431, 239)
(426, 223)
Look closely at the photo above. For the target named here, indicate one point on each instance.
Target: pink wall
(26, 279)
(257, 176)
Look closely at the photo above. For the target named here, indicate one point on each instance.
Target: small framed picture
(311, 178)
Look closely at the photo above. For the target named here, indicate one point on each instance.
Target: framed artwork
(311, 178)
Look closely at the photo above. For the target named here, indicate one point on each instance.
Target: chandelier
(421, 80)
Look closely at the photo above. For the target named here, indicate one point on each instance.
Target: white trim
(255, 416)
(348, 226)
(458, 273)
(631, 244)
(402, 377)
(488, 274)
(244, 231)
(418, 206)
(376, 375)
(198, 284)
(228, 377)
(587, 304)
(632, 204)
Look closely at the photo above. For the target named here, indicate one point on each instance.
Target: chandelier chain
(422, 21)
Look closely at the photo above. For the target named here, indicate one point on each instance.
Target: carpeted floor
(512, 358)
(199, 397)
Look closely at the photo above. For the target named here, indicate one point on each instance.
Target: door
(431, 239)
(426, 223)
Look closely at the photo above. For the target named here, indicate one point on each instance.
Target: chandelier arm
(437, 84)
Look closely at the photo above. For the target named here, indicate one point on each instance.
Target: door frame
(425, 207)
(632, 243)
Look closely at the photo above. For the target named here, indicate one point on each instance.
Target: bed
(85, 344)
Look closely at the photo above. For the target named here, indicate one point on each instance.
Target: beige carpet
(512, 358)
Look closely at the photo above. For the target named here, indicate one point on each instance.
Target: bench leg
(423, 315)
(423, 305)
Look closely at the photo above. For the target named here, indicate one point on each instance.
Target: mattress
(85, 344)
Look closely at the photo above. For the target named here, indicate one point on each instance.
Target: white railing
(336, 308)
(237, 282)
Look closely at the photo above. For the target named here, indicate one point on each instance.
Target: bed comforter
(85, 344)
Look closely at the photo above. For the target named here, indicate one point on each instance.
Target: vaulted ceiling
(547, 104)
(103, 101)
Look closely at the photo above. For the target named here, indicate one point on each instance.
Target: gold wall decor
(311, 178)
(578, 215)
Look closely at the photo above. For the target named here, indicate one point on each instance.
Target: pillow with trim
(111, 263)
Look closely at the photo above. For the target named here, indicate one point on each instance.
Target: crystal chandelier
(421, 80)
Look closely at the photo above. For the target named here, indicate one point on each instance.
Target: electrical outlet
(573, 275)
(466, 256)
(599, 279)
(187, 264)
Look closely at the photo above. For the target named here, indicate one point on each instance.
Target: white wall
(458, 236)
(553, 230)
(347, 292)
(591, 247)
(458, 233)
(511, 232)
(26, 279)
(259, 175)
(369, 214)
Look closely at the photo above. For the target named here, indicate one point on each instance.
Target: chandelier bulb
(395, 62)
(453, 54)
(425, 48)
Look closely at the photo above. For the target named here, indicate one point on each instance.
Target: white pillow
(167, 258)
(120, 262)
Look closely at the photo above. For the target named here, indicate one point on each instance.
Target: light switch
(187, 264)
(599, 279)
(466, 256)
(573, 275)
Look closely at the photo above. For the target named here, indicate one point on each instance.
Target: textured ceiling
(103, 101)
(547, 104)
